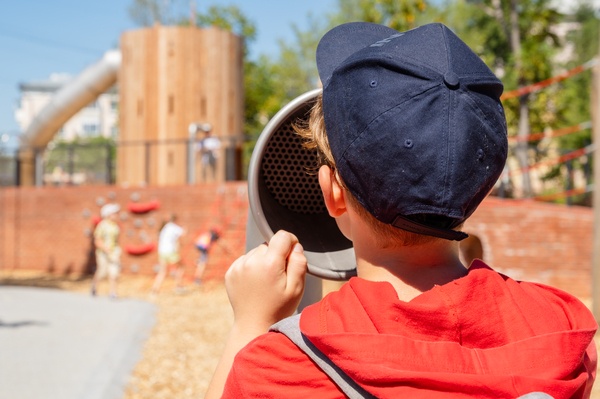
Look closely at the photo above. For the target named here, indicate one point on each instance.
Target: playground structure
(170, 79)
(173, 77)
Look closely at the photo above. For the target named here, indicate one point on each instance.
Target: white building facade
(99, 118)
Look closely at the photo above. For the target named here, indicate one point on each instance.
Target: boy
(412, 137)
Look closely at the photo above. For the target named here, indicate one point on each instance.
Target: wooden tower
(170, 79)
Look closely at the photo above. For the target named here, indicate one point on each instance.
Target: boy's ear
(333, 193)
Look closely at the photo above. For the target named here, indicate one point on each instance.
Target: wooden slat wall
(171, 77)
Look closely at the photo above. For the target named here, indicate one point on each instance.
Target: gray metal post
(595, 111)
(38, 168)
(191, 159)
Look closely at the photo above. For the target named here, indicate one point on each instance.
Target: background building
(99, 118)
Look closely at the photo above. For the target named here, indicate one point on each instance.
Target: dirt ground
(183, 349)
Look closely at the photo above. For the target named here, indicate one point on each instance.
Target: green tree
(164, 12)
(573, 104)
(229, 18)
(397, 14)
(518, 41)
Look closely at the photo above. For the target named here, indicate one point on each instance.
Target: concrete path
(63, 345)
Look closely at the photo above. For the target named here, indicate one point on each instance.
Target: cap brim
(343, 41)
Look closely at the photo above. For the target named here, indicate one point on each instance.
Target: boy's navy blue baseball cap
(414, 121)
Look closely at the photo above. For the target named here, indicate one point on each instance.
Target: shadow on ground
(42, 281)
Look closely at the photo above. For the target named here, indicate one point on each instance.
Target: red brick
(44, 229)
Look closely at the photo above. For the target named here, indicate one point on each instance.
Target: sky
(42, 37)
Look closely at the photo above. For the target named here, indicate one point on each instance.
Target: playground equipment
(169, 77)
(85, 88)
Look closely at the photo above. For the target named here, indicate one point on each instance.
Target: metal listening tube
(283, 194)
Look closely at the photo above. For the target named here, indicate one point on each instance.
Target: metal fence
(95, 163)
(9, 169)
(65, 164)
(77, 164)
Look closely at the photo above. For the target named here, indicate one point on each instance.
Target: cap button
(451, 80)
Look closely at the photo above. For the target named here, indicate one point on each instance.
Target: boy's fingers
(281, 245)
(296, 269)
(283, 255)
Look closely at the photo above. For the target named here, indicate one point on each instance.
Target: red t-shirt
(484, 335)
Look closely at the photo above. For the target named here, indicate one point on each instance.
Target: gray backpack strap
(290, 327)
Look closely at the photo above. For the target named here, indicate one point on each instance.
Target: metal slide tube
(87, 86)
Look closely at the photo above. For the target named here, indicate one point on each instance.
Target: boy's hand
(266, 285)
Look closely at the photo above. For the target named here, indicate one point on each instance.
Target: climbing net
(545, 140)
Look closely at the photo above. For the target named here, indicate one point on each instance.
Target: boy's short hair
(414, 122)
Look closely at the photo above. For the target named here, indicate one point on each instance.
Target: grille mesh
(288, 170)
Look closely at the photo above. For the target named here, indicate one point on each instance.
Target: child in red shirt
(412, 137)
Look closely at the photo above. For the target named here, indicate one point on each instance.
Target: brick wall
(528, 240)
(50, 229)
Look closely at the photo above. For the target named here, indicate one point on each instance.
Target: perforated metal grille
(289, 172)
